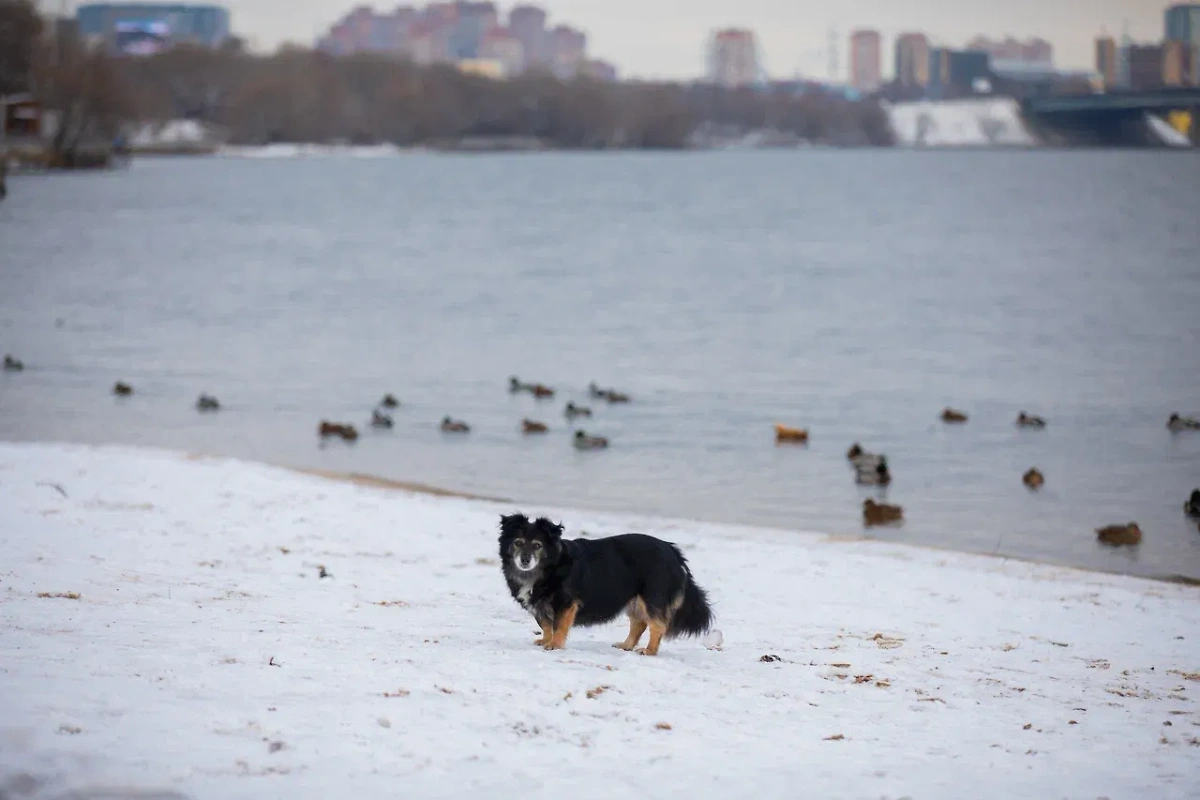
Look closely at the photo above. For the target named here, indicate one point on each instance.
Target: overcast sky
(666, 38)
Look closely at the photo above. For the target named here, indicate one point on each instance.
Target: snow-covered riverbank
(163, 626)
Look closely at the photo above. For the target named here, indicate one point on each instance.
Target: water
(856, 293)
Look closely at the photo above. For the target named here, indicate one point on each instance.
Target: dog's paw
(539, 641)
(622, 646)
(553, 646)
(645, 651)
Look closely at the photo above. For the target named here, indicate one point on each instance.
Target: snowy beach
(164, 626)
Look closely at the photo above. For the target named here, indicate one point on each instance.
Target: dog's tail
(694, 616)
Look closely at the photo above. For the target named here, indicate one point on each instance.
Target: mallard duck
(783, 433)
(345, 431)
(877, 475)
(122, 389)
(861, 460)
(12, 364)
(515, 385)
(540, 390)
(381, 420)
(454, 426)
(855, 451)
(207, 402)
(1033, 478)
(1030, 421)
(1178, 423)
(585, 442)
(389, 401)
(953, 415)
(1192, 506)
(1120, 535)
(532, 426)
(572, 411)
(881, 513)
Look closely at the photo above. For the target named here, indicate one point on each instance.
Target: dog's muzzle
(527, 563)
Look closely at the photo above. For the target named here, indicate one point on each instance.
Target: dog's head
(529, 545)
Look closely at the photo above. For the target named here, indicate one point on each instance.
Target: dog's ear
(512, 524)
(553, 532)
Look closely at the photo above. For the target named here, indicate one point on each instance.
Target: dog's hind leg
(657, 629)
(547, 631)
(562, 624)
(636, 628)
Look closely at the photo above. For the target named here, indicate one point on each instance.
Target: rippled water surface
(853, 293)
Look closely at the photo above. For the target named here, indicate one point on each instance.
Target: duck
(783, 433)
(585, 442)
(953, 415)
(540, 390)
(380, 420)
(389, 401)
(206, 402)
(572, 411)
(862, 460)
(611, 395)
(881, 513)
(533, 426)
(515, 385)
(877, 475)
(1030, 421)
(12, 364)
(347, 432)
(1034, 478)
(1120, 535)
(454, 426)
(1178, 423)
(1192, 506)
(122, 389)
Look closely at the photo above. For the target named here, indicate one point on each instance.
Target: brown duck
(1120, 535)
(953, 415)
(1034, 478)
(881, 513)
(532, 426)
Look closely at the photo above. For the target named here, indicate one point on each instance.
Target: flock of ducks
(870, 469)
(380, 418)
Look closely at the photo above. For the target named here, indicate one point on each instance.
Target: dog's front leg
(562, 624)
(547, 631)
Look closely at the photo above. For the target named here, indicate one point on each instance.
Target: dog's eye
(537, 545)
(518, 542)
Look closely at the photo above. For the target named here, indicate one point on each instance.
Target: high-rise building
(472, 21)
(866, 60)
(528, 25)
(1106, 61)
(954, 73)
(567, 50)
(499, 45)
(1182, 24)
(1145, 66)
(912, 60)
(146, 28)
(1178, 63)
(733, 58)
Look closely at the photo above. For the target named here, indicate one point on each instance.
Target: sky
(666, 38)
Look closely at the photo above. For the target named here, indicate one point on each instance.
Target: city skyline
(793, 35)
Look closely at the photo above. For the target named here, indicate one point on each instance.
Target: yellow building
(483, 67)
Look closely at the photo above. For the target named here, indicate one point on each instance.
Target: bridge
(1112, 117)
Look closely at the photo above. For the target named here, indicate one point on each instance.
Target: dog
(567, 582)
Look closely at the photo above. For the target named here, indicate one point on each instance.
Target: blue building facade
(145, 28)
(953, 73)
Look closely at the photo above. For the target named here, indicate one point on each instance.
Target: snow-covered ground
(978, 122)
(163, 626)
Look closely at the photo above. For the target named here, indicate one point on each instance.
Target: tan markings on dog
(562, 625)
(636, 628)
(657, 629)
(547, 632)
(636, 609)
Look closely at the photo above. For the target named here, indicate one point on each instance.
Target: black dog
(589, 582)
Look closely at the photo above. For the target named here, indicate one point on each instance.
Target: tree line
(301, 95)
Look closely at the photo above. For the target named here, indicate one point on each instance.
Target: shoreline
(417, 487)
